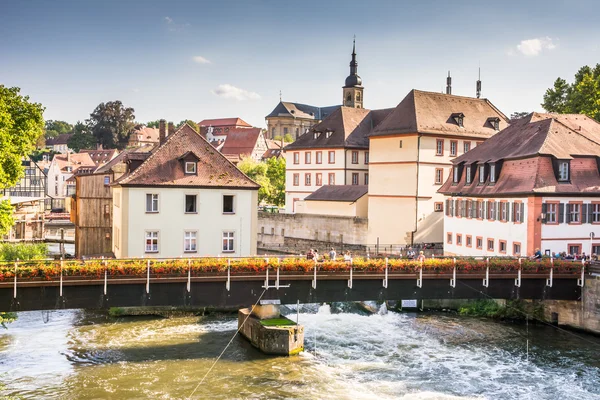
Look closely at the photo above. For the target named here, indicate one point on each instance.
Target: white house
(534, 185)
(63, 167)
(186, 199)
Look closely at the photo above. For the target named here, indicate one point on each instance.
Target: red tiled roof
(77, 161)
(428, 112)
(163, 167)
(241, 141)
(148, 134)
(63, 138)
(235, 122)
(101, 156)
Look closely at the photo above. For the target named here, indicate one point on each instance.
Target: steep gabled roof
(428, 112)
(224, 122)
(63, 138)
(241, 141)
(101, 156)
(163, 168)
(349, 127)
(346, 193)
(298, 110)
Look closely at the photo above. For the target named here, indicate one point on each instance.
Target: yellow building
(410, 158)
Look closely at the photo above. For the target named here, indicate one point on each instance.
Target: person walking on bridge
(332, 254)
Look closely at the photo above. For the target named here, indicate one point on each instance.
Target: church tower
(353, 90)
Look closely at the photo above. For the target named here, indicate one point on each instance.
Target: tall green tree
(21, 124)
(82, 138)
(580, 97)
(190, 123)
(54, 128)
(152, 124)
(111, 124)
(276, 176)
(257, 171)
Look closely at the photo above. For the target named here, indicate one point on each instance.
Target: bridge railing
(50, 270)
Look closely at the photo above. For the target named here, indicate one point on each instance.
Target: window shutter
(522, 212)
(484, 209)
(590, 209)
(544, 211)
(568, 213)
(447, 207)
(510, 209)
(561, 213)
(498, 215)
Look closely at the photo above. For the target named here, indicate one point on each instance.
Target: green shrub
(23, 251)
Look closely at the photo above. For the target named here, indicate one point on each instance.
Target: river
(76, 354)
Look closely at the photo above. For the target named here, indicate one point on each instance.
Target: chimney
(448, 84)
(171, 129)
(98, 146)
(161, 131)
(68, 156)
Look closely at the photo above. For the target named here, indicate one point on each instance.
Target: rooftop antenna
(280, 95)
(478, 88)
(449, 84)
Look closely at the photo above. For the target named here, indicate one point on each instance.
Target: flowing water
(87, 355)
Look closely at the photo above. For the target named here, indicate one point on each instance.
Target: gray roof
(338, 193)
(288, 109)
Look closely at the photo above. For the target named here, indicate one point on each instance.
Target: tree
(257, 171)
(518, 115)
(111, 123)
(580, 97)
(190, 123)
(152, 124)
(54, 128)
(82, 138)
(288, 138)
(276, 176)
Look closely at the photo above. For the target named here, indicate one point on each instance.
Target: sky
(213, 59)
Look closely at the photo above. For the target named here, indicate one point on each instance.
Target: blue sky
(194, 60)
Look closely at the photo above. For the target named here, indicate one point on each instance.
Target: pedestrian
(421, 257)
(348, 256)
(310, 255)
(316, 255)
(410, 254)
(332, 254)
(537, 255)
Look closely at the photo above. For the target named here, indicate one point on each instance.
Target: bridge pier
(268, 331)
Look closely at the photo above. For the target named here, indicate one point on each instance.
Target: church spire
(353, 89)
(353, 63)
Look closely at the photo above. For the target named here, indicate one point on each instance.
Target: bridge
(220, 282)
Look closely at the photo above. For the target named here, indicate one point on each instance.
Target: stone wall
(302, 231)
(584, 314)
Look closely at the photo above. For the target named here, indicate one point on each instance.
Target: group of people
(313, 254)
(537, 255)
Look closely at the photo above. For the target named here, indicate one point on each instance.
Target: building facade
(535, 185)
(62, 168)
(411, 155)
(59, 144)
(185, 199)
(221, 126)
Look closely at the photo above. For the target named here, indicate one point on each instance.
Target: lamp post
(592, 235)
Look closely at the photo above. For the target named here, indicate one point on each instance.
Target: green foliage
(519, 114)
(276, 176)
(23, 251)
(512, 310)
(82, 138)
(111, 123)
(282, 321)
(152, 124)
(6, 318)
(270, 175)
(580, 97)
(38, 155)
(54, 128)
(190, 123)
(6, 217)
(21, 124)
(288, 138)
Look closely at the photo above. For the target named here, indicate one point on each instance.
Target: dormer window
(456, 174)
(492, 173)
(563, 171)
(494, 122)
(316, 135)
(190, 167)
(482, 174)
(328, 134)
(459, 119)
(468, 174)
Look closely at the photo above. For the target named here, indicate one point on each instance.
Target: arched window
(358, 96)
(349, 97)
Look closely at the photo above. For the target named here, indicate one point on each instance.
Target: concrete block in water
(278, 336)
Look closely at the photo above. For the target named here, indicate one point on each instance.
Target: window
(504, 211)
(106, 210)
(453, 147)
(190, 167)
(469, 241)
(439, 176)
(401, 144)
(491, 210)
(490, 244)
(502, 245)
(479, 242)
(449, 238)
(552, 213)
(366, 157)
(516, 249)
(228, 243)
(272, 133)
(189, 242)
(595, 213)
(480, 209)
(355, 157)
(517, 216)
(228, 204)
(439, 147)
(332, 157)
(482, 174)
(469, 205)
(355, 178)
(458, 239)
(152, 242)
(455, 173)
(319, 157)
(563, 171)
(316, 135)
(328, 134)
(319, 179)
(106, 180)
(574, 249)
(492, 173)
(307, 157)
(151, 203)
(296, 179)
(468, 174)
(331, 179)
(307, 179)
(296, 158)
(297, 131)
(574, 213)
(285, 131)
(438, 207)
(366, 179)
(190, 203)
(466, 146)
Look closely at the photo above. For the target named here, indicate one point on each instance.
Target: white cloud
(201, 60)
(169, 20)
(228, 91)
(173, 26)
(533, 47)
